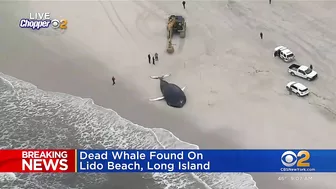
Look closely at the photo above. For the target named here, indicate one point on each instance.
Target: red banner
(38, 160)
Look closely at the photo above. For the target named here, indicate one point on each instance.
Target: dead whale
(172, 94)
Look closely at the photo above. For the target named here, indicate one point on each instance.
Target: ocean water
(33, 118)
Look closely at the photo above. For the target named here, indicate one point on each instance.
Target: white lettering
(47, 16)
(90, 166)
(160, 167)
(124, 166)
(194, 166)
(193, 155)
(52, 164)
(39, 164)
(45, 154)
(93, 156)
(39, 15)
(24, 154)
(32, 15)
(63, 165)
(166, 155)
(27, 165)
(34, 24)
(123, 155)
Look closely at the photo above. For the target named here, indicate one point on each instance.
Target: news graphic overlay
(44, 23)
(308, 161)
(301, 159)
(206, 160)
(110, 161)
(294, 161)
(141, 161)
(37, 161)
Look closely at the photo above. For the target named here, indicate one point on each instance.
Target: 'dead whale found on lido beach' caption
(183, 161)
(137, 155)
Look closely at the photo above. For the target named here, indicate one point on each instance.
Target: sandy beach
(235, 88)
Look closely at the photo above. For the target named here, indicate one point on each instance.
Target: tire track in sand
(209, 42)
(141, 21)
(117, 26)
(122, 22)
(110, 19)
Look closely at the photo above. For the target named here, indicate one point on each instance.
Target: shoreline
(86, 84)
(115, 178)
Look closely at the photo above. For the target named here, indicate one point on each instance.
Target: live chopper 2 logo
(38, 20)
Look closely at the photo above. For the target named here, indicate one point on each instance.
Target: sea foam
(33, 118)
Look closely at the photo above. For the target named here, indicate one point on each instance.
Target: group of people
(154, 58)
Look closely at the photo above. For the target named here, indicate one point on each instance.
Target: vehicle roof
(284, 49)
(287, 51)
(280, 48)
(300, 86)
(303, 68)
(178, 17)
(290, 83)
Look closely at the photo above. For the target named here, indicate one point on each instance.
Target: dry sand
(235, 88)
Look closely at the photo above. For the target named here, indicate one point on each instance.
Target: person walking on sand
(156, 56)
(270, 1)
(261, 35)
(149, 58)
(153, 60)
(183, 4)
(113, 80)
(289, 90)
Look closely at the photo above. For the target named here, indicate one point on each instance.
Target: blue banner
(206, 161)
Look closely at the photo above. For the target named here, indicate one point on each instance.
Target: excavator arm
(170, 26)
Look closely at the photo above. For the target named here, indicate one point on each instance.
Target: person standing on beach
(153, 60)
(113, 80)
(149, 58)
(156, 56)
(183, 4)
(270, 1)
(261, 35)
(311, 67)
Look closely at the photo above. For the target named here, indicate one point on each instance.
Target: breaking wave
(33, 118)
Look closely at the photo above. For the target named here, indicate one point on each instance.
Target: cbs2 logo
(289, 159)
(62, 24)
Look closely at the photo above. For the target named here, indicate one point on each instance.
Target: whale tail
(160, 77)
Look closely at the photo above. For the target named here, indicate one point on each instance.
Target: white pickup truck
(302, 71)
(284, 53)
